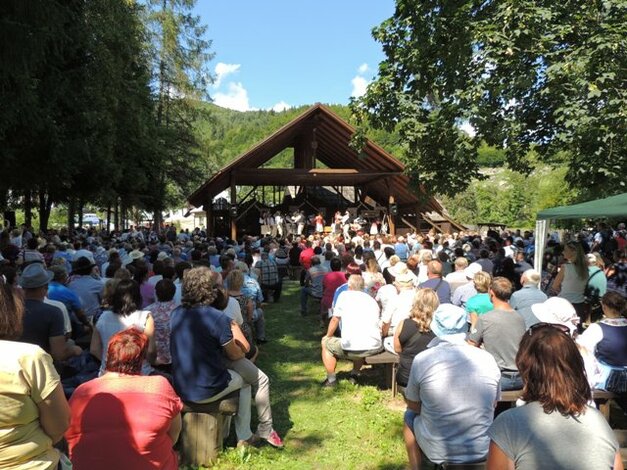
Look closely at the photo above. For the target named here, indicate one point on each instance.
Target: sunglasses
(563, 328)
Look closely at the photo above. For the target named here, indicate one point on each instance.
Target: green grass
(349, 427)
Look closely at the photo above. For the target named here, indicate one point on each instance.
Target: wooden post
(418, 219)
(208, 207)
(233, 203)
(392, 217)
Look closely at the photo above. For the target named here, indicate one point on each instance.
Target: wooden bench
(601, 398)
(205, 426)
(390, 364)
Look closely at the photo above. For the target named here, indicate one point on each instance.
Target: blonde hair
(482, 282)
(394, 259)
(235, 280)
(425, 303)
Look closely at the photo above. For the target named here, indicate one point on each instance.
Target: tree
(528, 75)
(181, 55)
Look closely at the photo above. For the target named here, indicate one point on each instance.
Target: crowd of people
(112, 320)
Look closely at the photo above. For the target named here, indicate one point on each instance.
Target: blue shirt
(443, 289)
(197, 337)
(89, 291)
(59, 292)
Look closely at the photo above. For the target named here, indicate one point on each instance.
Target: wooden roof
(377, 172)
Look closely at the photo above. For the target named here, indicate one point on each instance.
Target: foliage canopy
(527, 75)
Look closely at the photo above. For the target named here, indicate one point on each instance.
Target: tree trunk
(116, 215)
(45, 206)
(81, 205)
(71, 212)
(28, 208)
(108, 227)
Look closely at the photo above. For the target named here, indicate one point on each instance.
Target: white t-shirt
(401, 308)
(359, 317)
(386, 296)
(234, 311)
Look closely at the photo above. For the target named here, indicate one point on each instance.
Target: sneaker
(328, 384)
(274, 440)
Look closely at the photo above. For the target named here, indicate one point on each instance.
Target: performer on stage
(346, 224)
(337, 222)
(278, 220)
(319, 220)
(299, 220)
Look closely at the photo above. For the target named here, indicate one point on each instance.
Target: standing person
(499, 331)
(124, 419)
(35, 413)
(200, 341)
(319, 220)
(556, 428)
(450, 395)
(570, 282)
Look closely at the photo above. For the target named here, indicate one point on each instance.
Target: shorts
(334, 346)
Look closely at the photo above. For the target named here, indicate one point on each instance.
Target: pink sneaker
(274, 440)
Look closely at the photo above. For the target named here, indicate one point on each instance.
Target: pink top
(330, 283)
(122, 422)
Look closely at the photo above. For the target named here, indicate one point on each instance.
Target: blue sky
(279, 53)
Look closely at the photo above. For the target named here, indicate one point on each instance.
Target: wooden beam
(307, 177)
(233, 202)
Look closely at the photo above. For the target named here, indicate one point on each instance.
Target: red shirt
(120, 422)
(305, 257)
(330, 283)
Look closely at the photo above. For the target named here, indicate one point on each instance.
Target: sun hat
(34, 276)
(162, 256)
(136, 254)
(557, 310)
(402, 274)
(449, 319)
(472, 269)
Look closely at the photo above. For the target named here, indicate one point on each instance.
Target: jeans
(260, 323)
(510, 381)
(305, 292)
(260, 384)
(242, 418)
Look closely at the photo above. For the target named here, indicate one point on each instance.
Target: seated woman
(556, 428)
(412, 335)
(125, 312)
(479, 303)
(124, 419)
(35, 413)
(607, 340)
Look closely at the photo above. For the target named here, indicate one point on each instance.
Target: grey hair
(532, 277)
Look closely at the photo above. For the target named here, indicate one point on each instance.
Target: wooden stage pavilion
(326, 175)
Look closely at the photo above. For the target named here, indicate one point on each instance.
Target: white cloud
(468, 129)
(280, 106)
(222, 70)
(359, 86)
(363, 68)
(235, 98)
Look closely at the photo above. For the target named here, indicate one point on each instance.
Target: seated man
(359, 314)
(313, 284)
(43, 324)
(450, 395)
(269, 278)
(436, 282)
(500, 331)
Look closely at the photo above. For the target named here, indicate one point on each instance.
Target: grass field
(349, 427)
